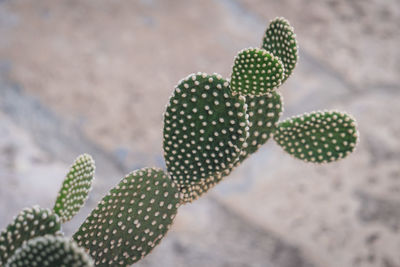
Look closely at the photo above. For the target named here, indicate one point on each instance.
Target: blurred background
(94, 76)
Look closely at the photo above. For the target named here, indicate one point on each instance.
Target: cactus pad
(318, 137)
(29, 223)
(256, 72)
(75, 188)
(131, 220)
(50, 251)
(205, 128)
(280, 40)
(264, 112)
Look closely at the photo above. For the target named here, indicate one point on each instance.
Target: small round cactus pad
(318, 136)
(264, 112)
(131, 220)
(75, 188)
(256, 72)
(29, 223)
(50, 251)
(205, 127)
(280, 40)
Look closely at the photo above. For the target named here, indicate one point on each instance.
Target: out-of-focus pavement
(94, 76)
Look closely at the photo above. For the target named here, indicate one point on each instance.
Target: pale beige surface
(94, 76)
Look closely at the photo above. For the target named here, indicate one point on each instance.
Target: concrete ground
(94, 76)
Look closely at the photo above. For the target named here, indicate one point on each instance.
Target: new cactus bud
(131, 220)
(256, 72)
(280, 40)
(29, 223)
(75, 188)
(205, 128)
(319, 136)
(50, 251)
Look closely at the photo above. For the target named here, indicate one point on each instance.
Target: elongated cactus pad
(131, 220)
(75, 188)
(29, 223)
(280, 40)
(50, 251)
(205, 128)
(256, 72)
(264, 112)
(319, 136)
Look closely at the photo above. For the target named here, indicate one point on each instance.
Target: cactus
(29, 223)
(318, 136)
(75, 188)
(50, 251)
(211, 126)
(205, 127)
(264, 112)
(280, 40)
(131, 220)
(256, 72)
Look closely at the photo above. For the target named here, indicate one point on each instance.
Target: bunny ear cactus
(264, 112)
(318, 137)
(211, 125)
(256, 72)
(34, 222)
(131, 220)
(205, 127)
(280, 40)
(50, 251)
(75, 188)
(29, 223)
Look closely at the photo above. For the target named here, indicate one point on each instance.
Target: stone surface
(95, 76)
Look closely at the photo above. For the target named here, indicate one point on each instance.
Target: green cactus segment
(50, 251)
(280, 40)
(256, 72)
(29, 223)
(319, 136)
(205, 127)
(75, 188)
(264, 112)
(131, 220)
